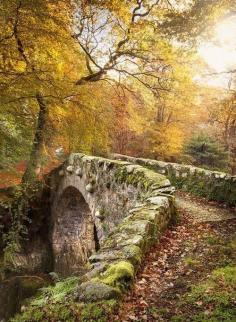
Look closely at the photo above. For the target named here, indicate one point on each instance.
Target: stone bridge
(102, 216)
(111, 209)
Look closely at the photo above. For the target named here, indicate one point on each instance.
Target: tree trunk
(35, 156)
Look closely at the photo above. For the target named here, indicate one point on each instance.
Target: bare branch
(121, 50)
(144, 14)
(137, 77)
(91, 78)
(89, 55)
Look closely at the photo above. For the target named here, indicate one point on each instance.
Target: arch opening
(74, 235)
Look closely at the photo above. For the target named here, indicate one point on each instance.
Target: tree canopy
(100, 76)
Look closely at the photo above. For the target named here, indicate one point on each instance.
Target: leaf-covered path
(199, 210)
(190, 274)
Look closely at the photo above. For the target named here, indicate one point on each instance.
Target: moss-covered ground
(55, 303)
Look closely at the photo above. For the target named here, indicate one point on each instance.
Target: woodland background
(111, 76)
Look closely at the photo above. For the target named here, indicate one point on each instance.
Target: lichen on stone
(93, 291)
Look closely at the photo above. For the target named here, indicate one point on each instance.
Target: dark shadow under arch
(96, 240)
(74, 235)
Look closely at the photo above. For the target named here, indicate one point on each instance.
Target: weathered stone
(69, 169)
(95, 291)
(120, 186)
(89, 188)
(35, 259)
(160, 201)
(73, 232)
(99, 215)
(119, 274)
(98, 268)
(130, 169)
(136, 240)
(168, 190)
(79, 172)
(132, 253)
(54, 276)
(106, 255)
(61, 173)
(123, 239)
(116, 222)
(142, 227)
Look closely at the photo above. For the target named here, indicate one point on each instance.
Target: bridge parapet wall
(213, 185)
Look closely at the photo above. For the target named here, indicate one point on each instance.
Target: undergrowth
(55, 303)
(214, 299)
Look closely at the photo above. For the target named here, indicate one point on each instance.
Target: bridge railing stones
(213, 185)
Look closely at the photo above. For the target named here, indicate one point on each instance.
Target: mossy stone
(119, 274)
(96, 291)
(133, 253)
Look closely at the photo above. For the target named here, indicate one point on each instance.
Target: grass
(206, 292)
(191, 261)
(214, 298)
(55, 293)
(55, 303)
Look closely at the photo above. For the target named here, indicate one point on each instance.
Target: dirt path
(190, 275)
(199, 210)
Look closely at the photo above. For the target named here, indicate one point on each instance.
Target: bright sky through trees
(220, 52)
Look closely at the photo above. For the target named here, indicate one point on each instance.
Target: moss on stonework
(204, 183)
(120, 239)
(208, 187)
(140, 176)
(55, 303)
(104, 212)
(145, 214)
(121, 174)
(105, 228)
(95, 290)
(133, 253)
(142, 227)
(153, 176)
(120, 275)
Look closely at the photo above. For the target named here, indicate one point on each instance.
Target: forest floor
(190, 275)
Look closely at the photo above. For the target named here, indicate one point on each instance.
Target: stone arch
(74, 232)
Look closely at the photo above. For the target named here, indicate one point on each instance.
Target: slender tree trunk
(232, 146)
(37, 147)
